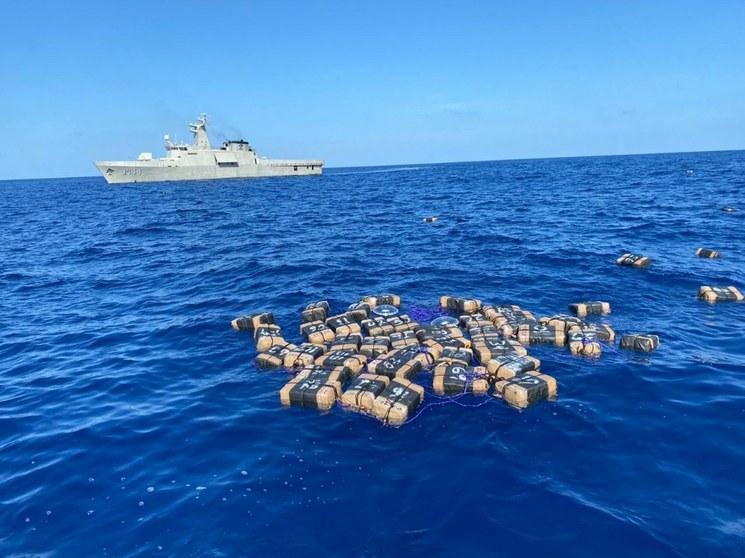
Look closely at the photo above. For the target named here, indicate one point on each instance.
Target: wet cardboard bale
(343, 324)
(640, 342)
(401, 339)
(359, 311)
(507, 318)
(385, 326)
(438, 340)
(373, 347)
(601, 332)
(633, 260)
(439, 330)
(460, 305)
(526, 389)
(506, 367)
(595, 308)
(720, 294)
(347, 343)
(449, 379)
(250, 323)
(581, 343)
(474, 320)
(315, 312)
(537, 333)
(398, 401)
(486, 330)
(562, 322)
(314, 387)
(400, 363)
(362, 391)
(267, 335)
(453, 355)
(487, 348)
(303, 355)
(377, 300)
(317, 332)
(274, 356)
(347, 359)
(707, 253)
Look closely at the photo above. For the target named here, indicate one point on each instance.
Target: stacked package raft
(370, 358)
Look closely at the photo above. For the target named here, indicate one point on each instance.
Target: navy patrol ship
(199, 161)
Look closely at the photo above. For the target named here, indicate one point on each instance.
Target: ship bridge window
(295, 167)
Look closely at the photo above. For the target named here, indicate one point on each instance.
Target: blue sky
(365, 83)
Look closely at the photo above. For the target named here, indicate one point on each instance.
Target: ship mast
(199, 129)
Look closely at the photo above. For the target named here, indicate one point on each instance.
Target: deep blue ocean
(134, 422)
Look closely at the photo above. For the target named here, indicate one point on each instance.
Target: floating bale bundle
(537, 333)
(706, 253)
(474, 320)
(358, 311)
(582, 309)
(377, 300)
(267, 335)
(526, 389)
(453, 355)
(373, 347)
(315, 312)
(506, 367)
(314, 387)
(633, 260)
(601, 332)
(640, 342)
(250, 323)
(303, 355)
(350, 342)
(561, 322)
(347, 359)
(401, 363)
(362, 391)
(317, 332)
(398, 401)
(507, 318)
(444, 329)
(437, 339)
(486, 331)
(719, 294)
(582, 344)
(401, 339)
(460, 305)
(453, 378)
(487, 348)
(274, 357)
(343, 324)
(385, 326)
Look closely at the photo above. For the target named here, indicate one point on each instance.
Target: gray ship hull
(127, 172)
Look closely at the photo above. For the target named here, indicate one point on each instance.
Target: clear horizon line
(447, 162)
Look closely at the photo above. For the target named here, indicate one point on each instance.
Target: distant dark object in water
(313, 387)
(362, 391)
(385, 310)
(582, 309)
(373, 347)
(315, 311)
(508, 366)
(317, 332)
(398, 401)
(720, 294)
(706, 253)
(729, 209)
(454, 379)
(274, 357)
(526, 389)
(430, 220)
(633, 260)
(640, 342)
(689, 172)
(250, 323)
(377, 300)
(461, 305)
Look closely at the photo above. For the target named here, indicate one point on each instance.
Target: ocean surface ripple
(133, 421)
